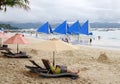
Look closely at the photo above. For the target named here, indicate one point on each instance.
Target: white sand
(92, 69)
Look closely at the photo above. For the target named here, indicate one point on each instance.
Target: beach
(80, 38)
(94, 69)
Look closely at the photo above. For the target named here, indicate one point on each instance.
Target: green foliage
(14, 3)
(7, 26)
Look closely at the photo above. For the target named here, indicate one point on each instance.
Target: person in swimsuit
(61, 69)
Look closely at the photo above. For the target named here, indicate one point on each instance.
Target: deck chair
(36, 67)
(4, 47)
(47, 65)
(16, 55)
(49, 74)
(7, 51)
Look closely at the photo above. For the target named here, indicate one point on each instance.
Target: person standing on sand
(90, 41)
(99, 37)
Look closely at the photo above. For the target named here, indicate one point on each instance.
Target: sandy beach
(90, 28)
(95, 68)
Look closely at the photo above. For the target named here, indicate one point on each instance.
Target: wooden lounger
(17, 55)
(49, 75)
(47, 72)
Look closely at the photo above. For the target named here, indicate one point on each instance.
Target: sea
(102, 37)
(109, 38)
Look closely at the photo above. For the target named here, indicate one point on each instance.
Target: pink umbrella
(3, 35)
(17, 39)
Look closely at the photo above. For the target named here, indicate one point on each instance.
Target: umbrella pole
(17, 48)
(1, 42)
(53, 58)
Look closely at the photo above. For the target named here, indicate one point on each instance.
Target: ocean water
(110, 38)
(113, 35)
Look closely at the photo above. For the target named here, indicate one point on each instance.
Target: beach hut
(45, 28)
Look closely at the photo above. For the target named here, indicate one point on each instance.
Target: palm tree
(1, 3)
(14, 3)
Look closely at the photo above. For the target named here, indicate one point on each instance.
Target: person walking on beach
(90, 41)
(99, 37)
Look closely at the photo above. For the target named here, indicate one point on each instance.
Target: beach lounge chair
(36, 67)
(47, 66)
(4, 47)
(47, 72)
(15, 55)
(7, 51)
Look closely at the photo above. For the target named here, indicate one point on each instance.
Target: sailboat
(62, 28)
(85, 28)
(45, 28)
(75, 28)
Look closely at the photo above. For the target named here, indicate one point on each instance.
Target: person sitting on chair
(60, 69)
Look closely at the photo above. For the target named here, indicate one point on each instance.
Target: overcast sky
(70, 10)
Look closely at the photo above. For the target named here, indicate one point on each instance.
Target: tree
(14, 3)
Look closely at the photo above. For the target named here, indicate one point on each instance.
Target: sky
(60, 10)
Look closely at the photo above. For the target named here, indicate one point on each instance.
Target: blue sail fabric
(75, 28)
(45, 28)
(90, 33)
(85, 28)
(62, 28)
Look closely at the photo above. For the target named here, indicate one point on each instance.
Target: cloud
(71, 10)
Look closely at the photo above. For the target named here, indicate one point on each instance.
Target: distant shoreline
(38, 24)
(105, 42)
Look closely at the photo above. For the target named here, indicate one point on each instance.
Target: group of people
(65, 40)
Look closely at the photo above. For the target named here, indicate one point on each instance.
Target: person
(99, 37)
(60, 69)
(90, 41)
(62, 39)
(66, 40)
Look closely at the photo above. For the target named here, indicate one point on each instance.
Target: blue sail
(75, 28)
(62, 28)
(85, 28)
(90, 33)
(45, 28)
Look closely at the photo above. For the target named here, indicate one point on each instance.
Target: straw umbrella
(17, 39)
(53, 45)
